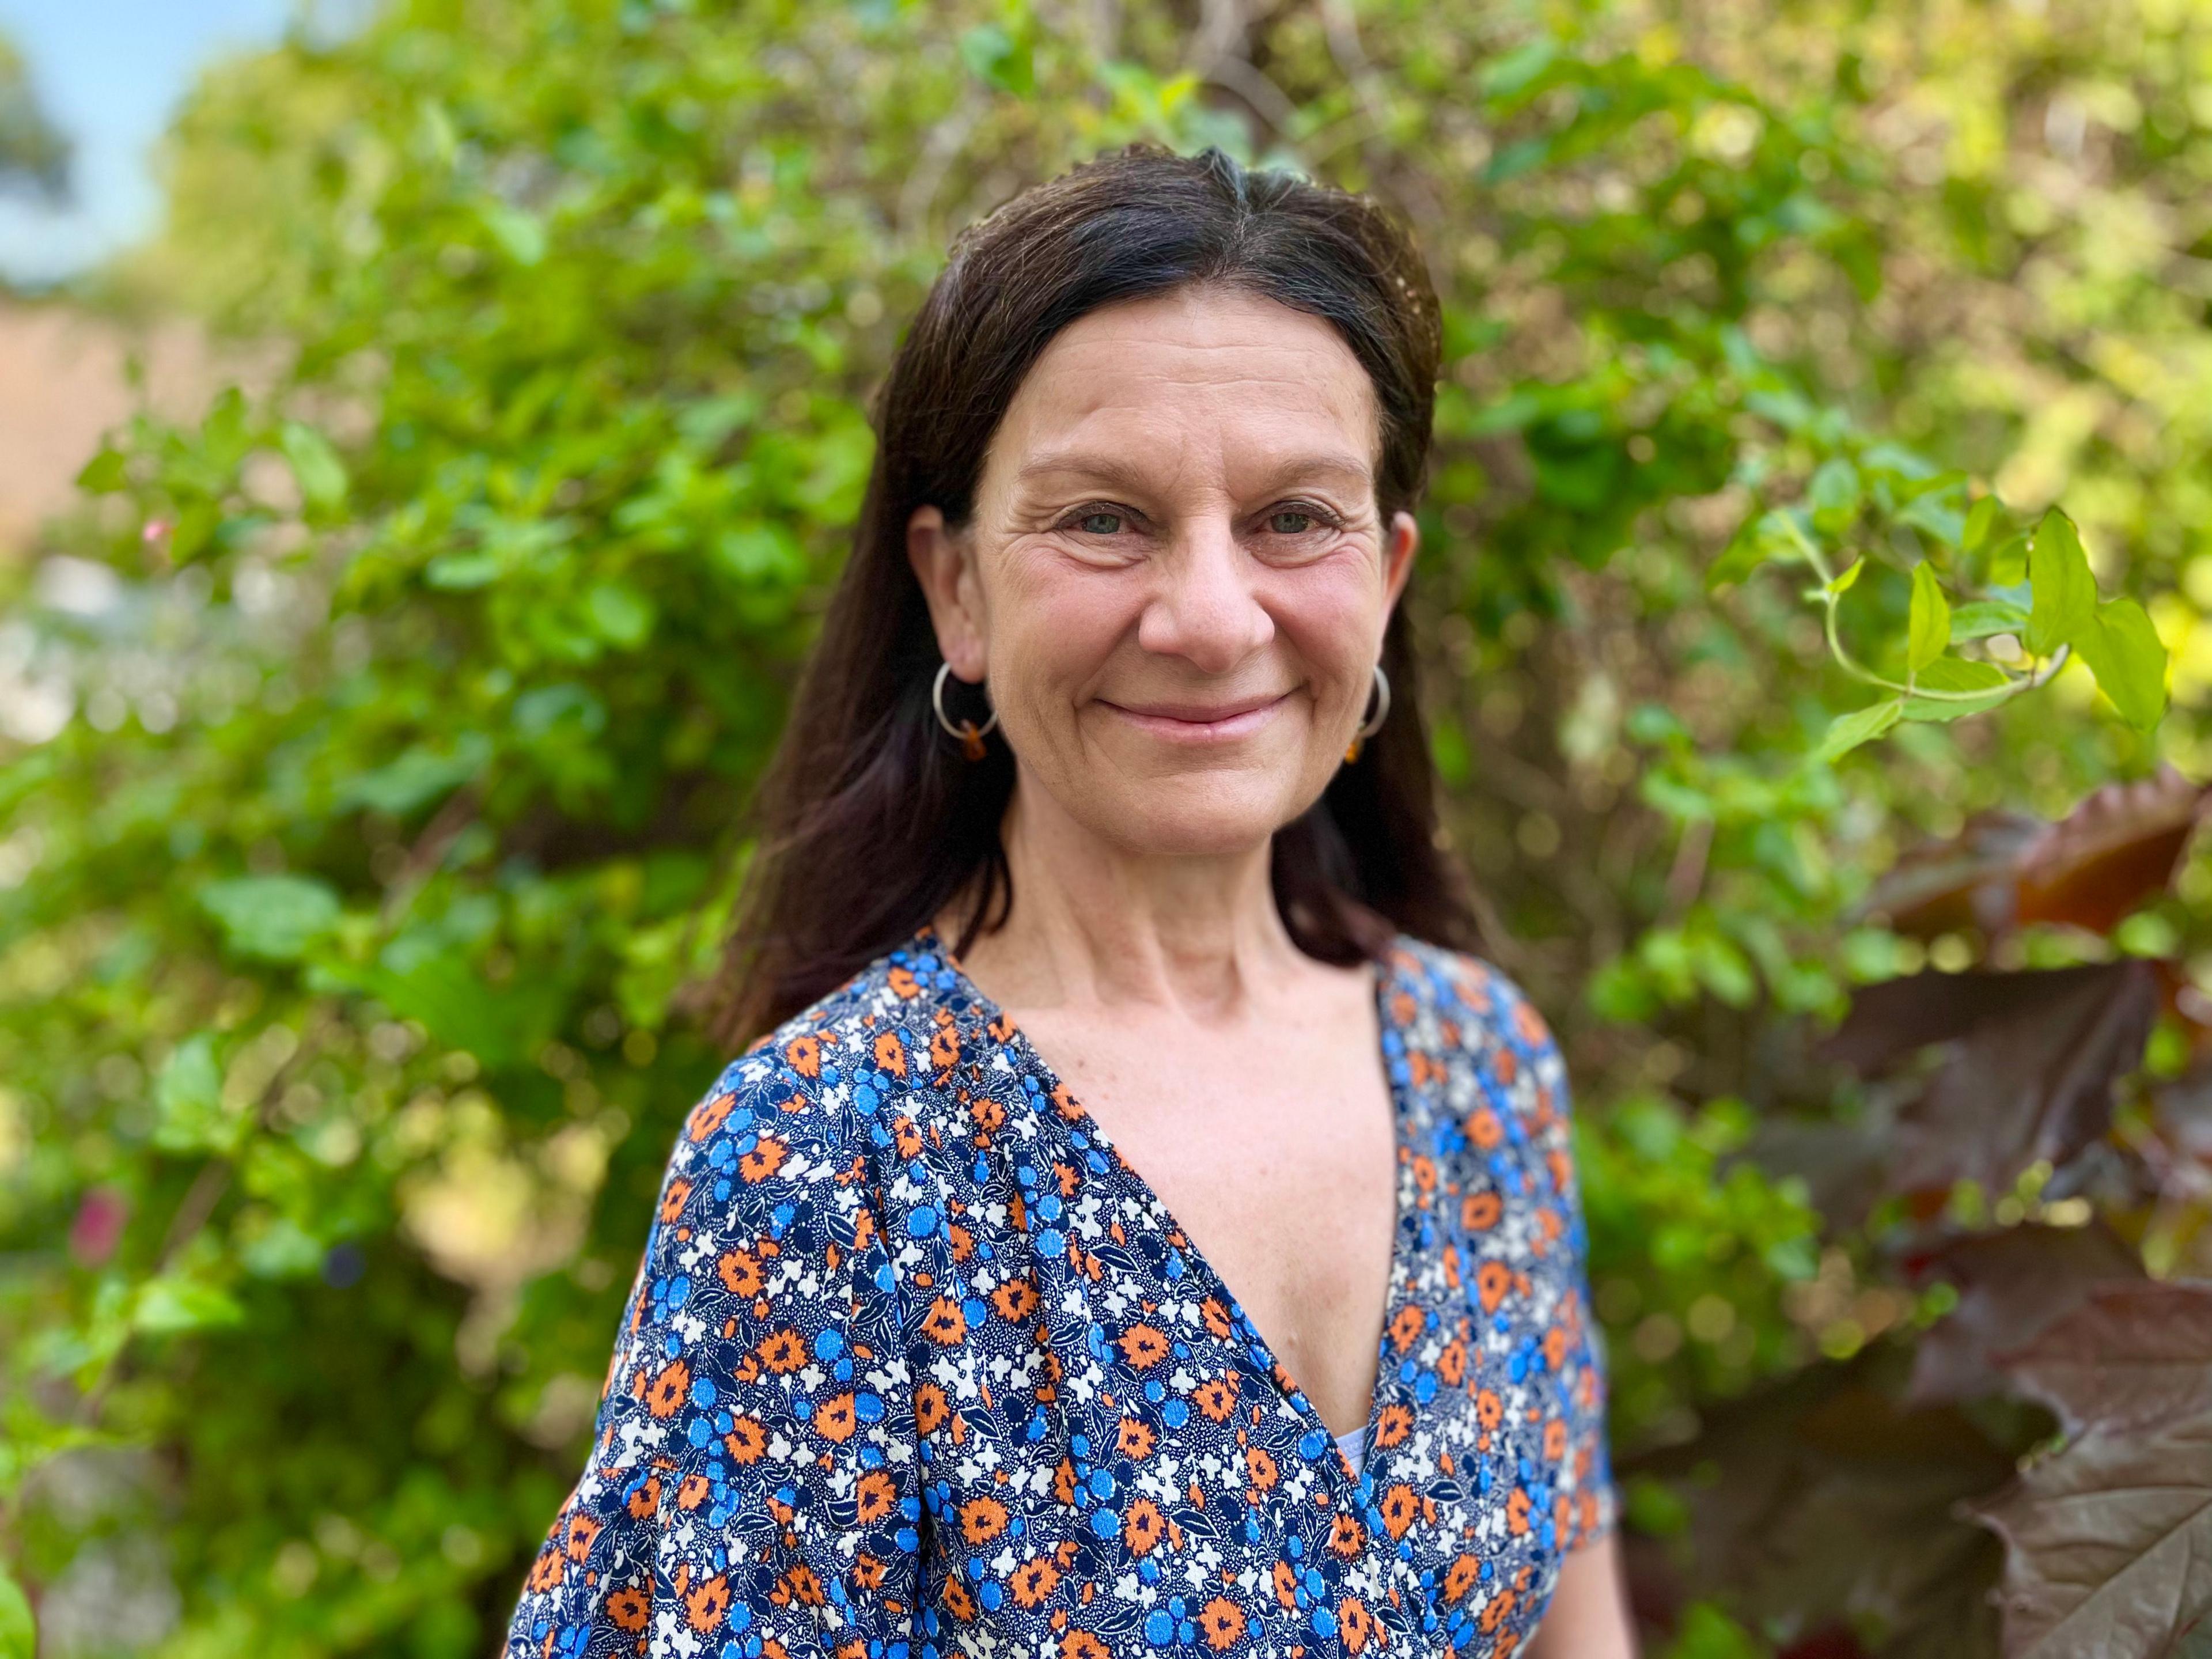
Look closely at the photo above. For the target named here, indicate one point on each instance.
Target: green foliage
(419, 687)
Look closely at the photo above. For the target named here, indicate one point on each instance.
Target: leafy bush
(380, 744)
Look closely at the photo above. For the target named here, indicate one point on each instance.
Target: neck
(1098, 925)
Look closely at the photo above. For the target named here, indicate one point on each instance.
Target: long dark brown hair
(870, 820)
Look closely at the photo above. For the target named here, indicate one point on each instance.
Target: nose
(1205, 609)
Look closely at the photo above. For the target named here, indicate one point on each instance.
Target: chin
(1202, 815)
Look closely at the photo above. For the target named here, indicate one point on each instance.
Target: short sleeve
(1584, 1502)
(751, 1478)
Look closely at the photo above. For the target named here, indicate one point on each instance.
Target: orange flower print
(945, 1323)
(799, 1588)
(547, 1570)
(646, 1499)
(1491, 1281)
(1483, 1129)
(835, 1419)
(1555, 1438)
(890, 1056)
(1261, 1466)
(958, 1601)
(763, 1161)
(740, 1273)
(1286, 1584)
(1347, 1537)
(706, 1602)
(708, 1115)
(1460, 1577)
(1516, 1511)
(1082, 1645)
(783, 1351)
(804, 1054)
(1033, 1581)
(1015, 1300)
(1216, 1398)
(1489, 1409)
(628, 1607)
(1135, 1439)
(673, 1200)
(747, 1439)
(1355, 1622)
(1143, 1346)
(1451, 1364)
(1216, 1316)
(1406, 1328)
(982, 1519)
(583, 1532)
(1392, 1425)
(669, 1389)
(1399, 1507)
(1479, 1211)
(1143, 1525)
(930, 1408)
(874, 1497)
(692, 1492)
(1221, 1621)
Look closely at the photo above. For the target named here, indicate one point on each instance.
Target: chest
(1277, 1155)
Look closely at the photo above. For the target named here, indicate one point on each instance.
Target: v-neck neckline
(1007, 1032)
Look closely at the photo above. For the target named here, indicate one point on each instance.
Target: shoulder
(1479, 996)
(817, 1097)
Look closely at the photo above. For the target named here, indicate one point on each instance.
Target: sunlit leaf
(1929, 628)
(2123, 651)
(2065, 591)
(1847, 731)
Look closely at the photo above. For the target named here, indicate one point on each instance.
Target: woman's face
(1175, 579)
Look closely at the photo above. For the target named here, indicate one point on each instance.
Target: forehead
(1183, 378)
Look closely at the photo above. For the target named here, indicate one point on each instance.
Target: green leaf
(1842, 585)
(520, 234)
(170, 1305)
(995, 56)
(417, 778)
(188, 1099)
(1957, 674)
(1847, 731)
(321, 475)
(103, 474)
(2064, 591)
(19, 1631)
(275, 917)
(1978, 619)
(621, 615)
(1929, 628)
(2123, 651)
(1979, 518)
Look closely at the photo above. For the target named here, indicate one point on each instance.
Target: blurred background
(429, 428)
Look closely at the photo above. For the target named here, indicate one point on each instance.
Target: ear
(1398, 549)
(944, 564)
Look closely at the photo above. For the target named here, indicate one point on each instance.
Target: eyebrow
(1114, 470)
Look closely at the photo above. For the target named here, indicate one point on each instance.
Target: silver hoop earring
(1374, 722)
(971, 735)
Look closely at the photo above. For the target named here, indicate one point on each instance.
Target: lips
(1195, 722)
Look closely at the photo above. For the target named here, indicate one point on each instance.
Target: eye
(1303, 516)
(1099, 519)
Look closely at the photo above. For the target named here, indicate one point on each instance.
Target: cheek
(1331, 614)
(1051, 625)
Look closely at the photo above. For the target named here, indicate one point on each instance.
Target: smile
(1197, 723)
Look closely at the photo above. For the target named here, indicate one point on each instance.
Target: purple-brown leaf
(2011, 1285)
(2129, 1354)
(2033, 1082)
(2005, 869)
(2108, 1544)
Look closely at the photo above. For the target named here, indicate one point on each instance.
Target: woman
(1018, 1289)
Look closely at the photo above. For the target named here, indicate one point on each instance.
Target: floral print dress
(916, 1365)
